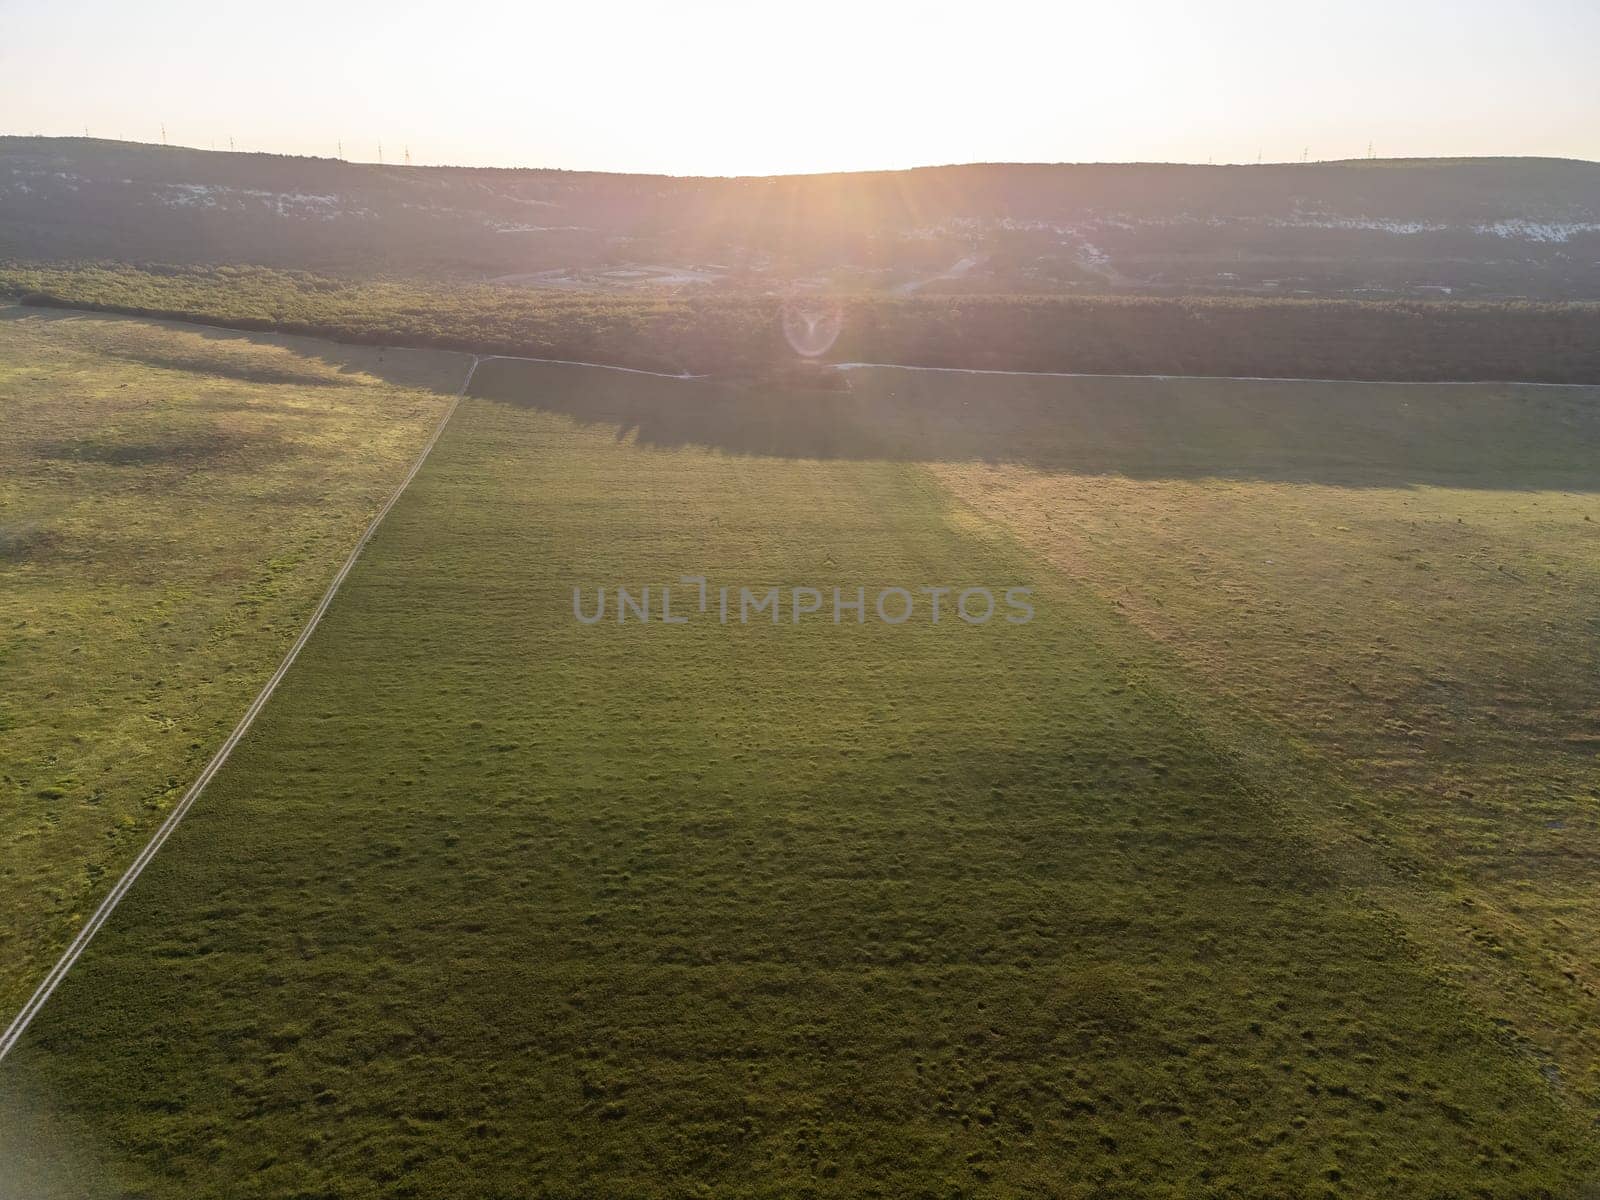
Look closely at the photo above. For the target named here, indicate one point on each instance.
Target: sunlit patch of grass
(164, 530)
(1433, 650)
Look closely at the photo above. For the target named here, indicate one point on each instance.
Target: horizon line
(355, 162)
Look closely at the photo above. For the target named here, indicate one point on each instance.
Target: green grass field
(172, 504)
(495, 903)
(1425, 633)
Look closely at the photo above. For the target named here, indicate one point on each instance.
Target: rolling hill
(1465, 228)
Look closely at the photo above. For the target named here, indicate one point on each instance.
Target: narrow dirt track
(1429, 383)
(75, 949)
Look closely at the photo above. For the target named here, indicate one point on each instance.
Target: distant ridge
(1477, 227)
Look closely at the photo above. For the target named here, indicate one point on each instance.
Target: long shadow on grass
(1346, 434)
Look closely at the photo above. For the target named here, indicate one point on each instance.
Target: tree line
(738, 334)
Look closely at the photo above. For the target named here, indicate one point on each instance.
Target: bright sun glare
(719, 88)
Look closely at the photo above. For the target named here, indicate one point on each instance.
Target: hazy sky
(714, 88)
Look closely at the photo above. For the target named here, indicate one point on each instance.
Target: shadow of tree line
(1343, 434)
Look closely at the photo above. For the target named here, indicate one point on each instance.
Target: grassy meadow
(172, 504)
(1432, 647)
(491, 899)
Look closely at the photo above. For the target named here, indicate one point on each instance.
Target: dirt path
(1432, 383)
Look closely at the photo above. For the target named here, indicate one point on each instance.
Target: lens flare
(812, 325)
